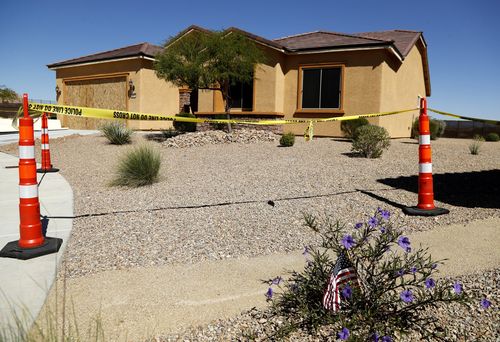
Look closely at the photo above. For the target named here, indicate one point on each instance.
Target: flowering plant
(393, 294)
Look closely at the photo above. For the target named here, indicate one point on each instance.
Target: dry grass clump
(138, 167)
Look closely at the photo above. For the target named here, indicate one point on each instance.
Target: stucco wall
(361, 91)
(268, 87)
(401, 86)
(268, 81)
(373, 81)
(153, 95)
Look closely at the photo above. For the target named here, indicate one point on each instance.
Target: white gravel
(212, 200)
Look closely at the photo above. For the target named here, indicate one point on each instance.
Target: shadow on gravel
(161, 137)
(462, 189)
(353, 154)
(382, 199)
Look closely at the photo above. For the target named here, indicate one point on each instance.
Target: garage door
(107, 93)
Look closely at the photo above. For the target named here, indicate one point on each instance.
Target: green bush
(287, 139)
(370, 141)
(492, 137)
(476, 144)
(117, 133)
(348, 127)
(185, 126)
(436, 127)
(394, 293)
(138, 167)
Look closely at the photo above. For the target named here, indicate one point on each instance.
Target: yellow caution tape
(125, 115)
(491, 122)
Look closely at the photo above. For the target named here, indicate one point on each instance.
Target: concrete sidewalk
(25, 284)
(13, 137)
(137, 303)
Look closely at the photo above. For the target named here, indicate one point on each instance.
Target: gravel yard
(212, 200)
(477, 324)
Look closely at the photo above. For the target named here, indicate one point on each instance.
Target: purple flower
(430, 283)
(269, 293)
(375, 337)
(485, 303)
(413, 270)
(343, 334)
(400, 272)
(358, 225)
(382, 230)
(372, 222)
(306, 251)
(434, 266)
(386, 339)
(277, 280)
(347, 291)
(457, 287)
(406, 296)
(385, 214)
(348, 241)
(404, 243)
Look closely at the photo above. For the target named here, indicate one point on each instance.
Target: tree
(7, 94)
(209, 60)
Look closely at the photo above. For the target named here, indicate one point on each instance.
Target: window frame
(340, 66)
(245, 109)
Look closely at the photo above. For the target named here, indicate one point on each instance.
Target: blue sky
(462, 36)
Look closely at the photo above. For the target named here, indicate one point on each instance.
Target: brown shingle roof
(142, 49)
(325, 39)
(403, 40)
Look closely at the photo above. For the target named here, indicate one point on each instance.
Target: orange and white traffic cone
(32, 242)
(425, 206)
(46, 164)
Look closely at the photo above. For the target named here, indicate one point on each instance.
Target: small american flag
(342, 273)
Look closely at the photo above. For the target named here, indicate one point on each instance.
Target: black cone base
(12, 249)
(415, 211)
(52, 169)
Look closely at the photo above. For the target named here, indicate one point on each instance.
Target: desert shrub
(436, 127)
(138, 167)
(185, 126)
(219, 126)
(117, 133)
(370, 141)
(394, 292)
(492, 137)
(475, 145)
(287, 139)
(348, 127)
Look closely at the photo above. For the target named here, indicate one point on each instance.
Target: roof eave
(389, 47)
(57, 66)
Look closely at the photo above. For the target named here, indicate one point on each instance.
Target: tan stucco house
(317, 74)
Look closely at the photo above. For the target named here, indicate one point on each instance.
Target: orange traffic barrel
(44, 142)
(32, 242)
(425, 206)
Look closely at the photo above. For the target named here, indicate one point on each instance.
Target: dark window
(321, 88)
(241, 95)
